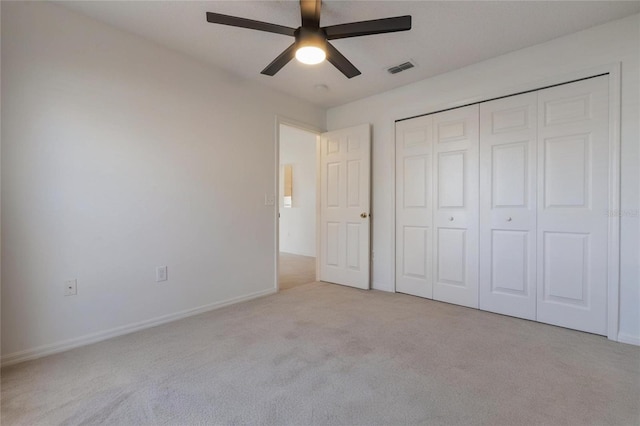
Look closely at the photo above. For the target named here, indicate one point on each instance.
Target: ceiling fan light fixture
(311, 46)
(312, 41)
(310, 55)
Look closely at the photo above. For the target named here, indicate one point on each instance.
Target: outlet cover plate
(161, 274)
(71, 288)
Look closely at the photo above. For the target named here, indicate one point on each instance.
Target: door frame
(613, 259)
(281, 120)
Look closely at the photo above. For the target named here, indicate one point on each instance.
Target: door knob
(363, 215)
(508, 219)
(451, 219)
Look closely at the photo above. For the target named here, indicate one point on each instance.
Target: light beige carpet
(295, 270)
(326, 354)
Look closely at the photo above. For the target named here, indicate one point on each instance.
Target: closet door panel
(572, 235)
(414, 206)
(455, 217)
(508, 205)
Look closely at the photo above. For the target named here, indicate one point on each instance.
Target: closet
(502, 205)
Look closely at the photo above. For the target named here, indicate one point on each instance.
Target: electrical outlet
(161, 273)
(71, 288)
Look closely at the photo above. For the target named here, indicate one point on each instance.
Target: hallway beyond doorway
(295, 270)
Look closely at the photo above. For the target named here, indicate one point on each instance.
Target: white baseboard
(299, 253)
(629, 338)
(88, 339)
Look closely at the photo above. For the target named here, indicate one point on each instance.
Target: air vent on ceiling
(402, 67)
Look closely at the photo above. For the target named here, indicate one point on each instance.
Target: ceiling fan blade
(363, 28)
(310, 11)
(279, 62)
(339, 61)
(217, 18)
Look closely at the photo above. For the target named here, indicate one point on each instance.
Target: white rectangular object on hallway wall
(508, 129)
(345, 188)
(414, 207)
(573, 198)
(455, 206)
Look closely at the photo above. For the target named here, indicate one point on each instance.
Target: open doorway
(297, 206)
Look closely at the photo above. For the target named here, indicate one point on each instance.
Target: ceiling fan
(312, 41)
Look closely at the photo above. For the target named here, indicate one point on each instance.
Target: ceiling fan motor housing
(315, 37)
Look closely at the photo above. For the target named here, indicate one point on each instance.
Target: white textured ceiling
(446, 35)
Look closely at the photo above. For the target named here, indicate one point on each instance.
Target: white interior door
(345, 174)
(455, 218)
(414, 207)
(573, 168)
(508, 205)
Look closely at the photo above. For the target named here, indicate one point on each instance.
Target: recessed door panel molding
(450, 131)
(451, 179)
(564, 110)
(416, 171)
(455, 218)
(416, 137)
(353, 183)
(332, 258)
(333, 185)
(567, 169)
(510, 262)
(353, 245)
(510, 119)
(510, 174)
(565, 265)
(452, 252)
(353, 143)
(345, 164)
(333, 145)
(508, 129)
(415, 251)
(414, 207)
(572, 231)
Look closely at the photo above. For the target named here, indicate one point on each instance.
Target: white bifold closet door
(573, 198)
(437, 206)
(414, 207)
(508, 129)
(544, 164)
(455, 196)
(503, 205)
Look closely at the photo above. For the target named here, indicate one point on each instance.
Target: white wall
(617, 41)
(118, 156)
(298, 223)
